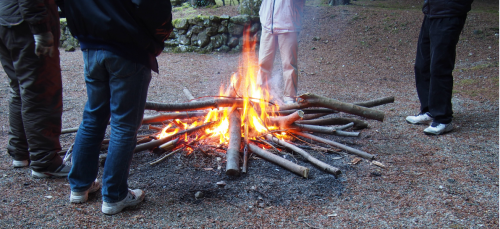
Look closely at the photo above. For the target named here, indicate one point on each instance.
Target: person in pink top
(281, 22)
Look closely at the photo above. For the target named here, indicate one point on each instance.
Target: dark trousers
(35, 102)
(436, 53)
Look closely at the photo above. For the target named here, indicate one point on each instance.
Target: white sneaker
(419, 119)
(82, 197)
(134, 197)
(62, 171)
(438, 128)
(20, 164)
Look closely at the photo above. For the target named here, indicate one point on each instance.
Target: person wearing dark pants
(436, 52)
(29, 40)
(120, 40)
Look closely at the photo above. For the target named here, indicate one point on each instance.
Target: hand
(44, 44)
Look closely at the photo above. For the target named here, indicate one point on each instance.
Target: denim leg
(128, 85)
(96, 115)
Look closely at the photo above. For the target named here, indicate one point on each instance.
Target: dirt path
(351, 53)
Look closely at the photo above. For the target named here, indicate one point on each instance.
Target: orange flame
(254, 98)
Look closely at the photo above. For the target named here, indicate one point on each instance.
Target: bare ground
(352, 53)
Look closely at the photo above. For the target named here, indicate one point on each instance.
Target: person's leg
(444, 36)
(422, 66)
(267, 52)
(85, 157)
(36, 101)
(129, 84)
(17, 145)
(288, 44)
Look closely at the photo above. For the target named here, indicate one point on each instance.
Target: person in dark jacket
(29, 40)
(120, 40)
(436, 52)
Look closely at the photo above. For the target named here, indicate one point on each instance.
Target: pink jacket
(282, 16)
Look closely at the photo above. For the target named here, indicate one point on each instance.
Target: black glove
(44, 44)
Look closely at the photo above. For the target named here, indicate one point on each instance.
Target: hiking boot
(20, 164)
(62, 171)
(438, 128)
(422, 118)
(82, 197)
(134, 197)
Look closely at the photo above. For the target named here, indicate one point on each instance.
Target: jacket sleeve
(35, 12)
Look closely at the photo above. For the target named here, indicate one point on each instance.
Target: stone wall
(201, 34)
(205, 34)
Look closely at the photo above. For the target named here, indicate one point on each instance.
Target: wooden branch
(169, 145)
(376, 102)
(312, 100)
(233, 149)
(69, 130)
(324, 130)
(167, 116)
(195, 105)
(370, 103)
(285, 122)
(188, 94)
(297, 169)
(165, 156)
(306, 155)
(336, 144)
(358, 124)
(307, 111)
(156, 143)
(313, 116)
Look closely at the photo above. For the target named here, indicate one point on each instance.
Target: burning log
(233, 149)
(325, 130)
(297, 169)
(195, 105)
(306, 155)
(167, 116)
(169, 145)
(312, 100)
(358, 124)
(285, 122)
(156, 143)
(336, 144)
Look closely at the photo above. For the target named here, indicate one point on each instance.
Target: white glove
(44, 44)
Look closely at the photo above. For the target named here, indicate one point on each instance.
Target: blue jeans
(116, 88)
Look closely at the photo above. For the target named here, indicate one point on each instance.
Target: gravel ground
(351, 53)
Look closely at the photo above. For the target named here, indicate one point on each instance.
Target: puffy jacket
(36, 13)
(282, 16)
(446, 8)
(133, 24)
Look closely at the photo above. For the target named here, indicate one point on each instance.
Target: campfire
(245, 119)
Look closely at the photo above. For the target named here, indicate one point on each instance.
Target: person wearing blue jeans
(436, 52)
(120, 40)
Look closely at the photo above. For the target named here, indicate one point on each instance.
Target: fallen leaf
(356, 160)
(379, 164)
